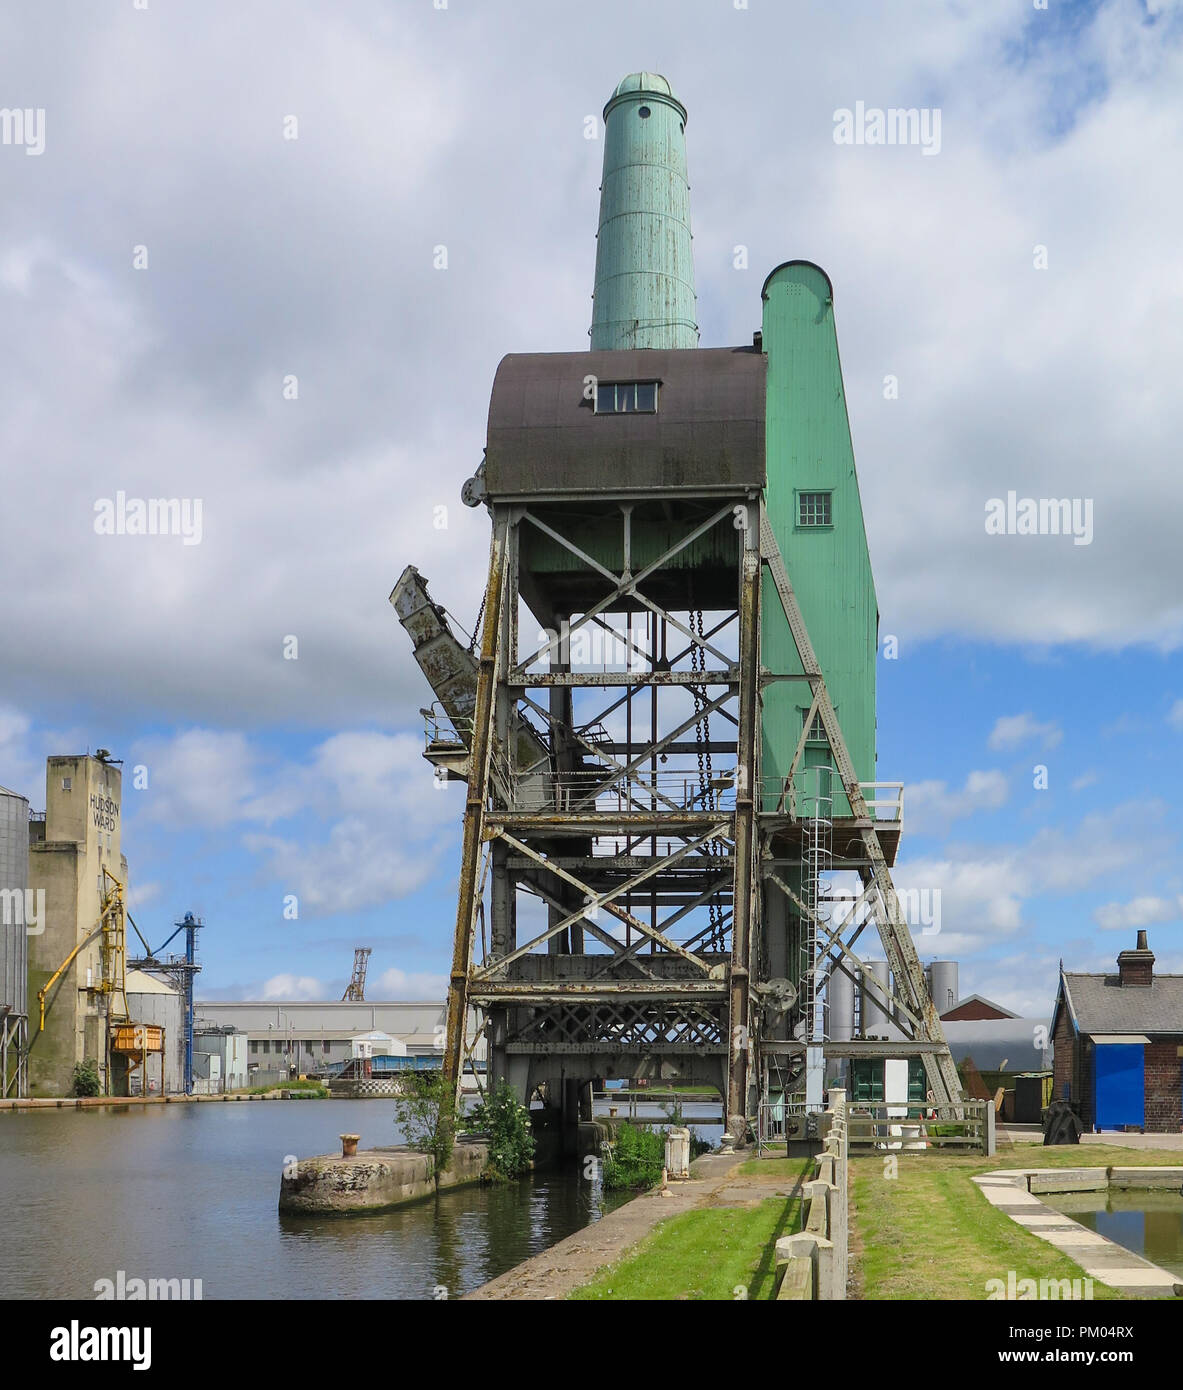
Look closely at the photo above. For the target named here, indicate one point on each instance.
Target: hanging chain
(476, 628)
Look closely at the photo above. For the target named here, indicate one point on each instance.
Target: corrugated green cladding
(644, 290)
(809, 450)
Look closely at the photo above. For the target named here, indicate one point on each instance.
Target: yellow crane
(112, 971)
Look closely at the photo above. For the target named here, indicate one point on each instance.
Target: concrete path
(574, 1261)
(1033, 1134)
(1101, 1259)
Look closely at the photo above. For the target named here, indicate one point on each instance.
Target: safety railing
(663, 792)
(921, 1126)
(795, 796)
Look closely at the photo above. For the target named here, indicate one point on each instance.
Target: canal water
(191, 1192)
(1148, 1223)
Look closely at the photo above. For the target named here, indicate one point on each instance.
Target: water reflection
(191, 1192)
(1148, 1223)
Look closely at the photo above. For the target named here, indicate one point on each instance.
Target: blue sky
(313, 257)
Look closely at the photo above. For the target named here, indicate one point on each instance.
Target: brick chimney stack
(1136, 968)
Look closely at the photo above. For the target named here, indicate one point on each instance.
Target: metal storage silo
(152, 1000)
(14, 880)
(840, 1007)
(875, 1018)
(944, 984)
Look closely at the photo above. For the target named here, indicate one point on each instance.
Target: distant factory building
(271, 1049)
(220, 1061)
(1119, 1045)
(310, 1035)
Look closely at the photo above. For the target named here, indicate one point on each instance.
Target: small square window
(65, 784)
(815, 509)
(817, 730)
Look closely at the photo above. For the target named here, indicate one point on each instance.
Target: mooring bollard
(677, 1152)
(348, 1144)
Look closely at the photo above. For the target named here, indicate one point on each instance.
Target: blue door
(1121, 1085)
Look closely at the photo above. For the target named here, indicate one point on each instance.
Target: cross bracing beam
(595, 901)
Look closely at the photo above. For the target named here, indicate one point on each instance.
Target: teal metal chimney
(644, 294)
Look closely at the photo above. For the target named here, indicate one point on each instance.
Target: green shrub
(635, 1158)
(427, 1113)
(85, 1081)
(511, 1136)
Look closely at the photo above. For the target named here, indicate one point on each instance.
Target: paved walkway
(1101, 1259)
(1033, 1134)
(574, 1261)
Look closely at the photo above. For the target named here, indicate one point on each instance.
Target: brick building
(1118, 1043)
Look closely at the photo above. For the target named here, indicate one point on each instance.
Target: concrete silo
(16, 910)
(875, 1018)
(944, 985)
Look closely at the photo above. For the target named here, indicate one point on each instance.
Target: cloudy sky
(220, 280)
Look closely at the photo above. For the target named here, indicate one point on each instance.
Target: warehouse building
(1119, 1045)
(311, 1035)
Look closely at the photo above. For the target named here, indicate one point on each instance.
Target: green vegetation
(316, 1090)
(929, 1233)
(426, 1111)
(85, 1080)
(511, 1137)
(712, 1253)
(635, 1157)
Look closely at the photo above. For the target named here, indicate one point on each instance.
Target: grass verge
(710, 1252)
(928, 1233)
(705, 1254)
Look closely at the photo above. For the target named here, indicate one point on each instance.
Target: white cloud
(928, 806)
(1012, 730)
(141, 894)
(398, 984)
(988, 891)
(1086, 779)
(1175, 717)
(293, 987)
(1138, 912)
(200, 777)
(359, 865)
(166, 382)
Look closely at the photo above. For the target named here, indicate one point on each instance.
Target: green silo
(644, 290)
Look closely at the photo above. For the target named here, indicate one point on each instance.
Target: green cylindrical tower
(644, 293)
